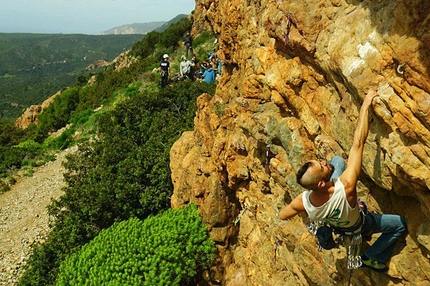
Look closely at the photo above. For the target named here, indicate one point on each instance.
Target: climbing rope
(350, 275)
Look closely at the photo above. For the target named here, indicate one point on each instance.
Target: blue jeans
(391, 226)
(339, 166)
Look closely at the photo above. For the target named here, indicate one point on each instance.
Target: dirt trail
(23, 216)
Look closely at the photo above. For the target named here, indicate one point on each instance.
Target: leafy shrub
(23, 154)
(146, 46)
(11, 157)
(132, 90)
(59, 111)
(203, 37)
(168, 249)
(29, 145)
(174, 34)
(4, 186)
(82, 117)
(10, 134)
(126, 172)
(64, 140)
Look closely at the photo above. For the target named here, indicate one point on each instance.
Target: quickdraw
(236, 221)
(275, 247)
(268, 156)
(287, 33)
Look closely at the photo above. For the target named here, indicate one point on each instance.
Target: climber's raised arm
(350, 176)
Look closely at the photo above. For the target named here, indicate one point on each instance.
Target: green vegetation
(35, 66)
(168, 249)
(125, 126)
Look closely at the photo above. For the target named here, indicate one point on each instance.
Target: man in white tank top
(334, 201)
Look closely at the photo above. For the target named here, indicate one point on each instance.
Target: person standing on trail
(188, 41)
(165, 70)
(331, 197)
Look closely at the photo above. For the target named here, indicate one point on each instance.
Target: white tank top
(336, 211)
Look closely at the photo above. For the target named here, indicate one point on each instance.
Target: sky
(85, 16)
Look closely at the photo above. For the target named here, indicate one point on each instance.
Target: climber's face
(316, 175)
(320, 171)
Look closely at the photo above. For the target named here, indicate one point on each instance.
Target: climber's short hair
(302, 171)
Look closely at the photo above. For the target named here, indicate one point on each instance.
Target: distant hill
(35, 66)
(136, 28)
(143, 28)
(167, 24)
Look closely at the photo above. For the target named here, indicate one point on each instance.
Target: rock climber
(331, 196)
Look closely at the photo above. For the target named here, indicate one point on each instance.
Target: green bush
(168, 249)
(63, 141)
(30, 145)
(4, 186)
(22, 154)
(203, 37)
(10, 134)
(146, 46)
(11, 157)
(58, 113)
(82, 117)
(132, 90)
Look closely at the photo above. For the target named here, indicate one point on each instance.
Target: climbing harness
(353, 244)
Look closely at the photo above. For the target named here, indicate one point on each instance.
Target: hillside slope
(294, 77)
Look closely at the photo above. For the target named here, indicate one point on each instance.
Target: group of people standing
(191, 69)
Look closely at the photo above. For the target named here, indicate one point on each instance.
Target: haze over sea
(83, 16)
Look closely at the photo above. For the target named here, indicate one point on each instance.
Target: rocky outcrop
(30, 114)
(97, 64)
(294, 76)
(124, 60)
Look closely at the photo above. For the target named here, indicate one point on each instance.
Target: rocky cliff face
(294, 77)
